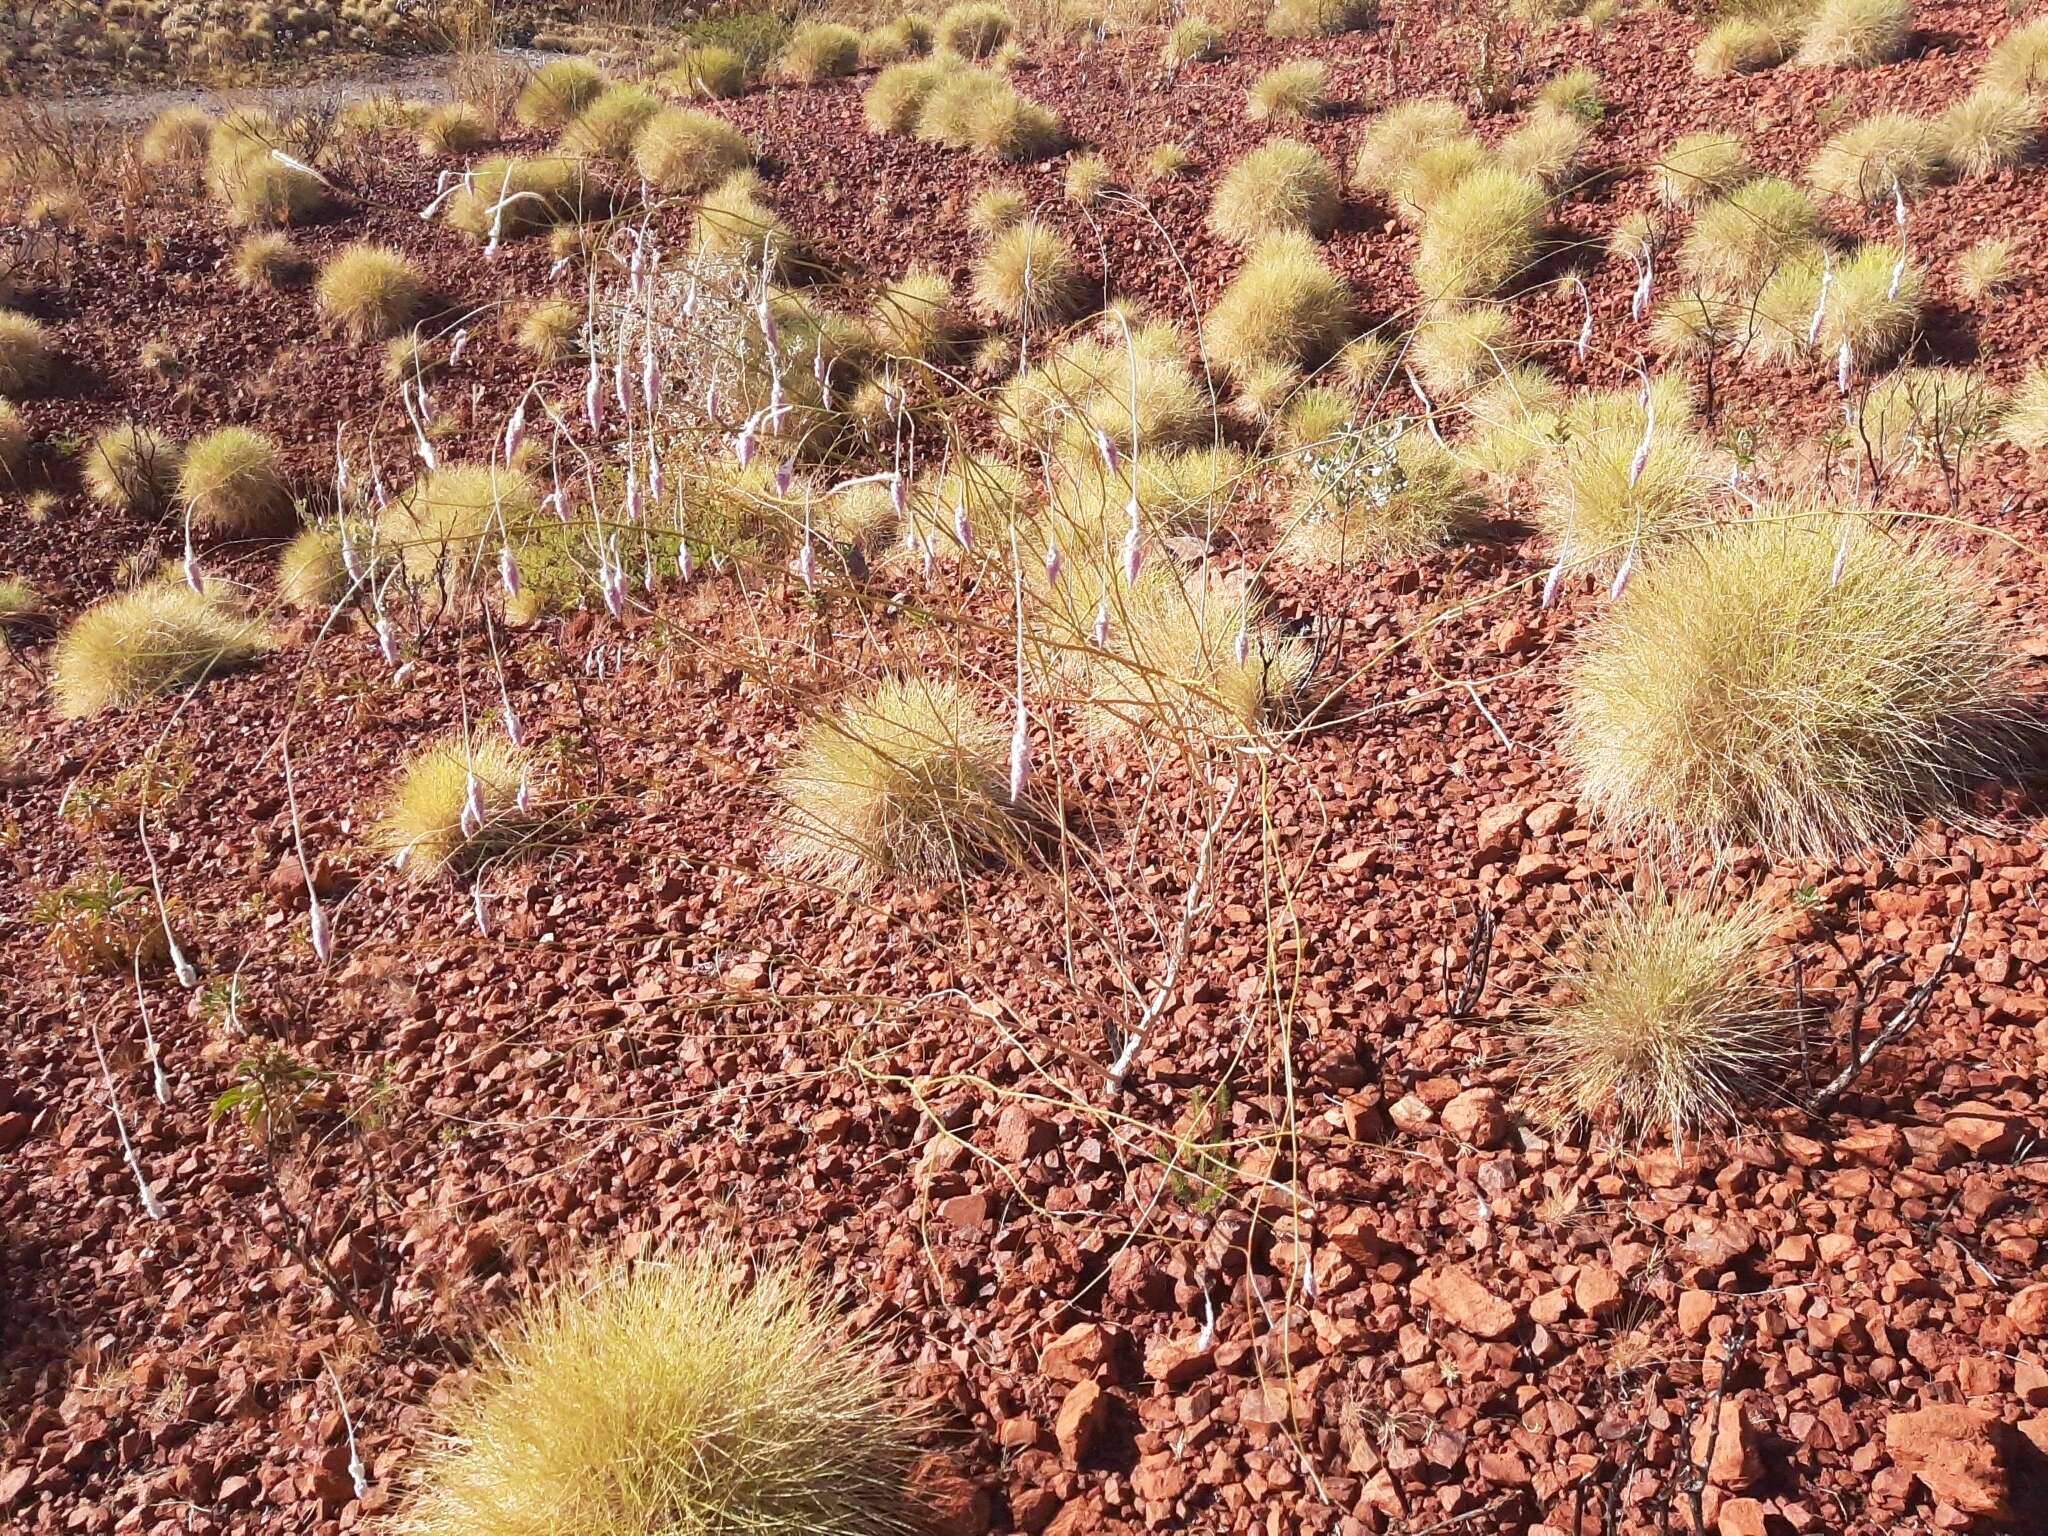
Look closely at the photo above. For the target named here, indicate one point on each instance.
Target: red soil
(660, 1038)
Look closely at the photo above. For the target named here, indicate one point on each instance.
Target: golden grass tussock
(231, 484)
(1602, 499)
(1400, 134)
(559, 90)
(130, 469)
(734, 221)
(1512, 424)
(1988, 131)
(371, 292)
(1547, 148)
(1320, 18)
(683, 150)
(1089, 180)
(995, 208)
(909, 777)
(818, 51)
(1742, 45)
(1806, 682)
(1869, 161)
(550, 331)
(1283, 185)
(516, 196)
(610, 126)
(1194, 39)
(17, 445)
(907, 37)
(895, 99)
(979, 111)
(1486, 231)
(138, 645)
(176, 139)
(1855, 34)
(460, 804)
(2025, 423)
(708, 72)
(1576, 93)
(917, 317)
(1289, 92)
(1737, 241)
(269, 261)
(1189, 655)
(246, 174)
(2019, 62)
(693, 1392)
(1871, 312)
(1460, 347)
(311, 574)
(1376, 490)
(1660, 1018)
(1030, 276)
(455, 129)
(447, 526)
(1286, 306)
(1698, 167)
(1985, 269)
(27, 354)
(973, 29)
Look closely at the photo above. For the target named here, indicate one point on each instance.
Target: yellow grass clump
(1399, 135)
(733, 220)
(1866, 161)
(1192, 40)
(1985, 269)
(1459, 347)
(895, 100)
(269, 260)
(1988, 131)
(1872, 308)
(610, 126)
(371, 292)
(1286, 306)
(154, 640)
(1576, 93)
(311, 575)
(909, 36)
(1806, 682)
(252, 173)
(916, 317)
(232, 484)
(1320, 18)
(1030, 276)
(16, 445)
(682, 150)
(907, 778)
(26, 354)
(1547, 148)
(1288, 92)
(1701, 166)
(525, 195)
(973, 29)
(177, 139)
(1281, 186)
(1597, 504)
(458, 806)
(1088, 180)
(819, 50)
(2025, 424)
(1738, 241)
(1375, 491)
(559, 90)
(2020, 61)
(1481, 235)
(456, 129)
(550, 331)
(977, 110)
(709, 70)
(693, 1392)
(1741, 45)
(1660, 1017)
(131, 469)
(1855, 33)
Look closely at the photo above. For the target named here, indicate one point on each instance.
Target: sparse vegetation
(1803, 681)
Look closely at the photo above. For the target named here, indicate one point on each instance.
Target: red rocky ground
(661, 1038)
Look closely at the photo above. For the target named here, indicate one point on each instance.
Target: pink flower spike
(387, 641)
(1101, 635)
(619, 384)
(194, 577)
(1621, 577)
(1055, 563)
(473, 807)
(476, 910)
(785, 475)
(1242, 650)
(1112, 457)
(523, 800)
(323, 935)
(515, 730)
(685, 566)
(1134, 553)
(743, 446)
(515, 430)
(963, 531)
(633, 498)
(593, 400)
(650, 382)
(1841, 559)
(1553, 582)
(899, 496)
(508, 570)
(656, 484)
(931, 558)
(807, 561)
